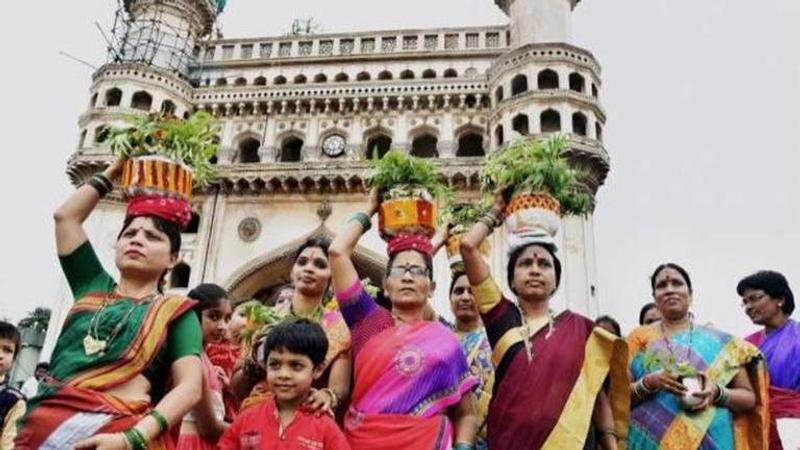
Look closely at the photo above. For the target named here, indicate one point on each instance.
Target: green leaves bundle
(191, 141)
(537, 166)
(397, 171)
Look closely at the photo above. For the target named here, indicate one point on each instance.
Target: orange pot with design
(410, 211)
(156, 175)
(533, 211)
(453, 246)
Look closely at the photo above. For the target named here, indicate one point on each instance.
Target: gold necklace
(527, 327)
(92, 344)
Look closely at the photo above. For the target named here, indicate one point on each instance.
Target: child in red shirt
(295, 351)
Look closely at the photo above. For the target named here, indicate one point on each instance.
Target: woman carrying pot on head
(556, 361)
(769, 302)
(412, 381)
(121, 341)
(311, 276)
(693, 386)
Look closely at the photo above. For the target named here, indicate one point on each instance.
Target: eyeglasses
(415, 271)
(753, 299)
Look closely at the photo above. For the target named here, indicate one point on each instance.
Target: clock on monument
(333, 145)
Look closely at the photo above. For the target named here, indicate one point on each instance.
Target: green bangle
(135, 438)
(363, 219)
(464, 446)
(163, 425)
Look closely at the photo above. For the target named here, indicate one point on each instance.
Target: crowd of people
(137, 368)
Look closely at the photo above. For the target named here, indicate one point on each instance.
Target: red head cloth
(405, 242)
(175, 210)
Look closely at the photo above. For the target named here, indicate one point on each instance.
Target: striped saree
(72, 404)
(660, 423)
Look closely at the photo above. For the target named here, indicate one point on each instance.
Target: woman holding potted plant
(123, 340)
(311, 277)
(693, 386)
(412, 381)
(411, 378)
(557, 361)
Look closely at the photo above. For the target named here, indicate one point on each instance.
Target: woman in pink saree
(411, 376)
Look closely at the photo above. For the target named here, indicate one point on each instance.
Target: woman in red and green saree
(693, 387)
(769, 302)
(108, 387)
(412, 383)
(550, 389)
(311, 277)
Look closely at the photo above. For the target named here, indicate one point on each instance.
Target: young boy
(295, 351)
(12, 403)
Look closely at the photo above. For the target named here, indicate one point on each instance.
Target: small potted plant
(165, 155)
(684, 372)
(460, 217)
(540, 184)
(409, 187)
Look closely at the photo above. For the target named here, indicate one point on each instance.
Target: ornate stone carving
(249, 229)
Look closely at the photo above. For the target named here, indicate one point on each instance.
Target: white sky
(701, 97)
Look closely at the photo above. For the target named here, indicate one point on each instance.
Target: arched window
(320, 78)
(93, 100)
(579, 122)
(194, 224)
(291, 149)
(470, 144)
(82, 141)
(385, 75)
(260, 81)
(280, 79)
(521, 125)
(498, 135)
(100, 134)
(519, 84)
(142, 100)
(424, 146)
(576, 82)
(378, 145)
(113, 97)
(248, 151)
(179, 278)
(407, 75)
(498, 94)
(548, 79)
(598, 131)
(168, 107)
(429, 73)
(341, 77)
(594, 90)
(300, 79)
(551, 121)
(241, 81)
(221, 82)
(450, 73)
(363, 76)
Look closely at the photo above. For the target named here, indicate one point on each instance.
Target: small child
(12, 402)
(295, 351)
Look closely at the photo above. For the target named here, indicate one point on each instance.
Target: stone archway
(262, 275)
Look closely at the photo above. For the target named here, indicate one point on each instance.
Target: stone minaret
(542, 86)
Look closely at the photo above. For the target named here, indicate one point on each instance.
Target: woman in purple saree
(769, 302)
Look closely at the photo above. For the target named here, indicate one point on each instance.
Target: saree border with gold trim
(83, 391)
